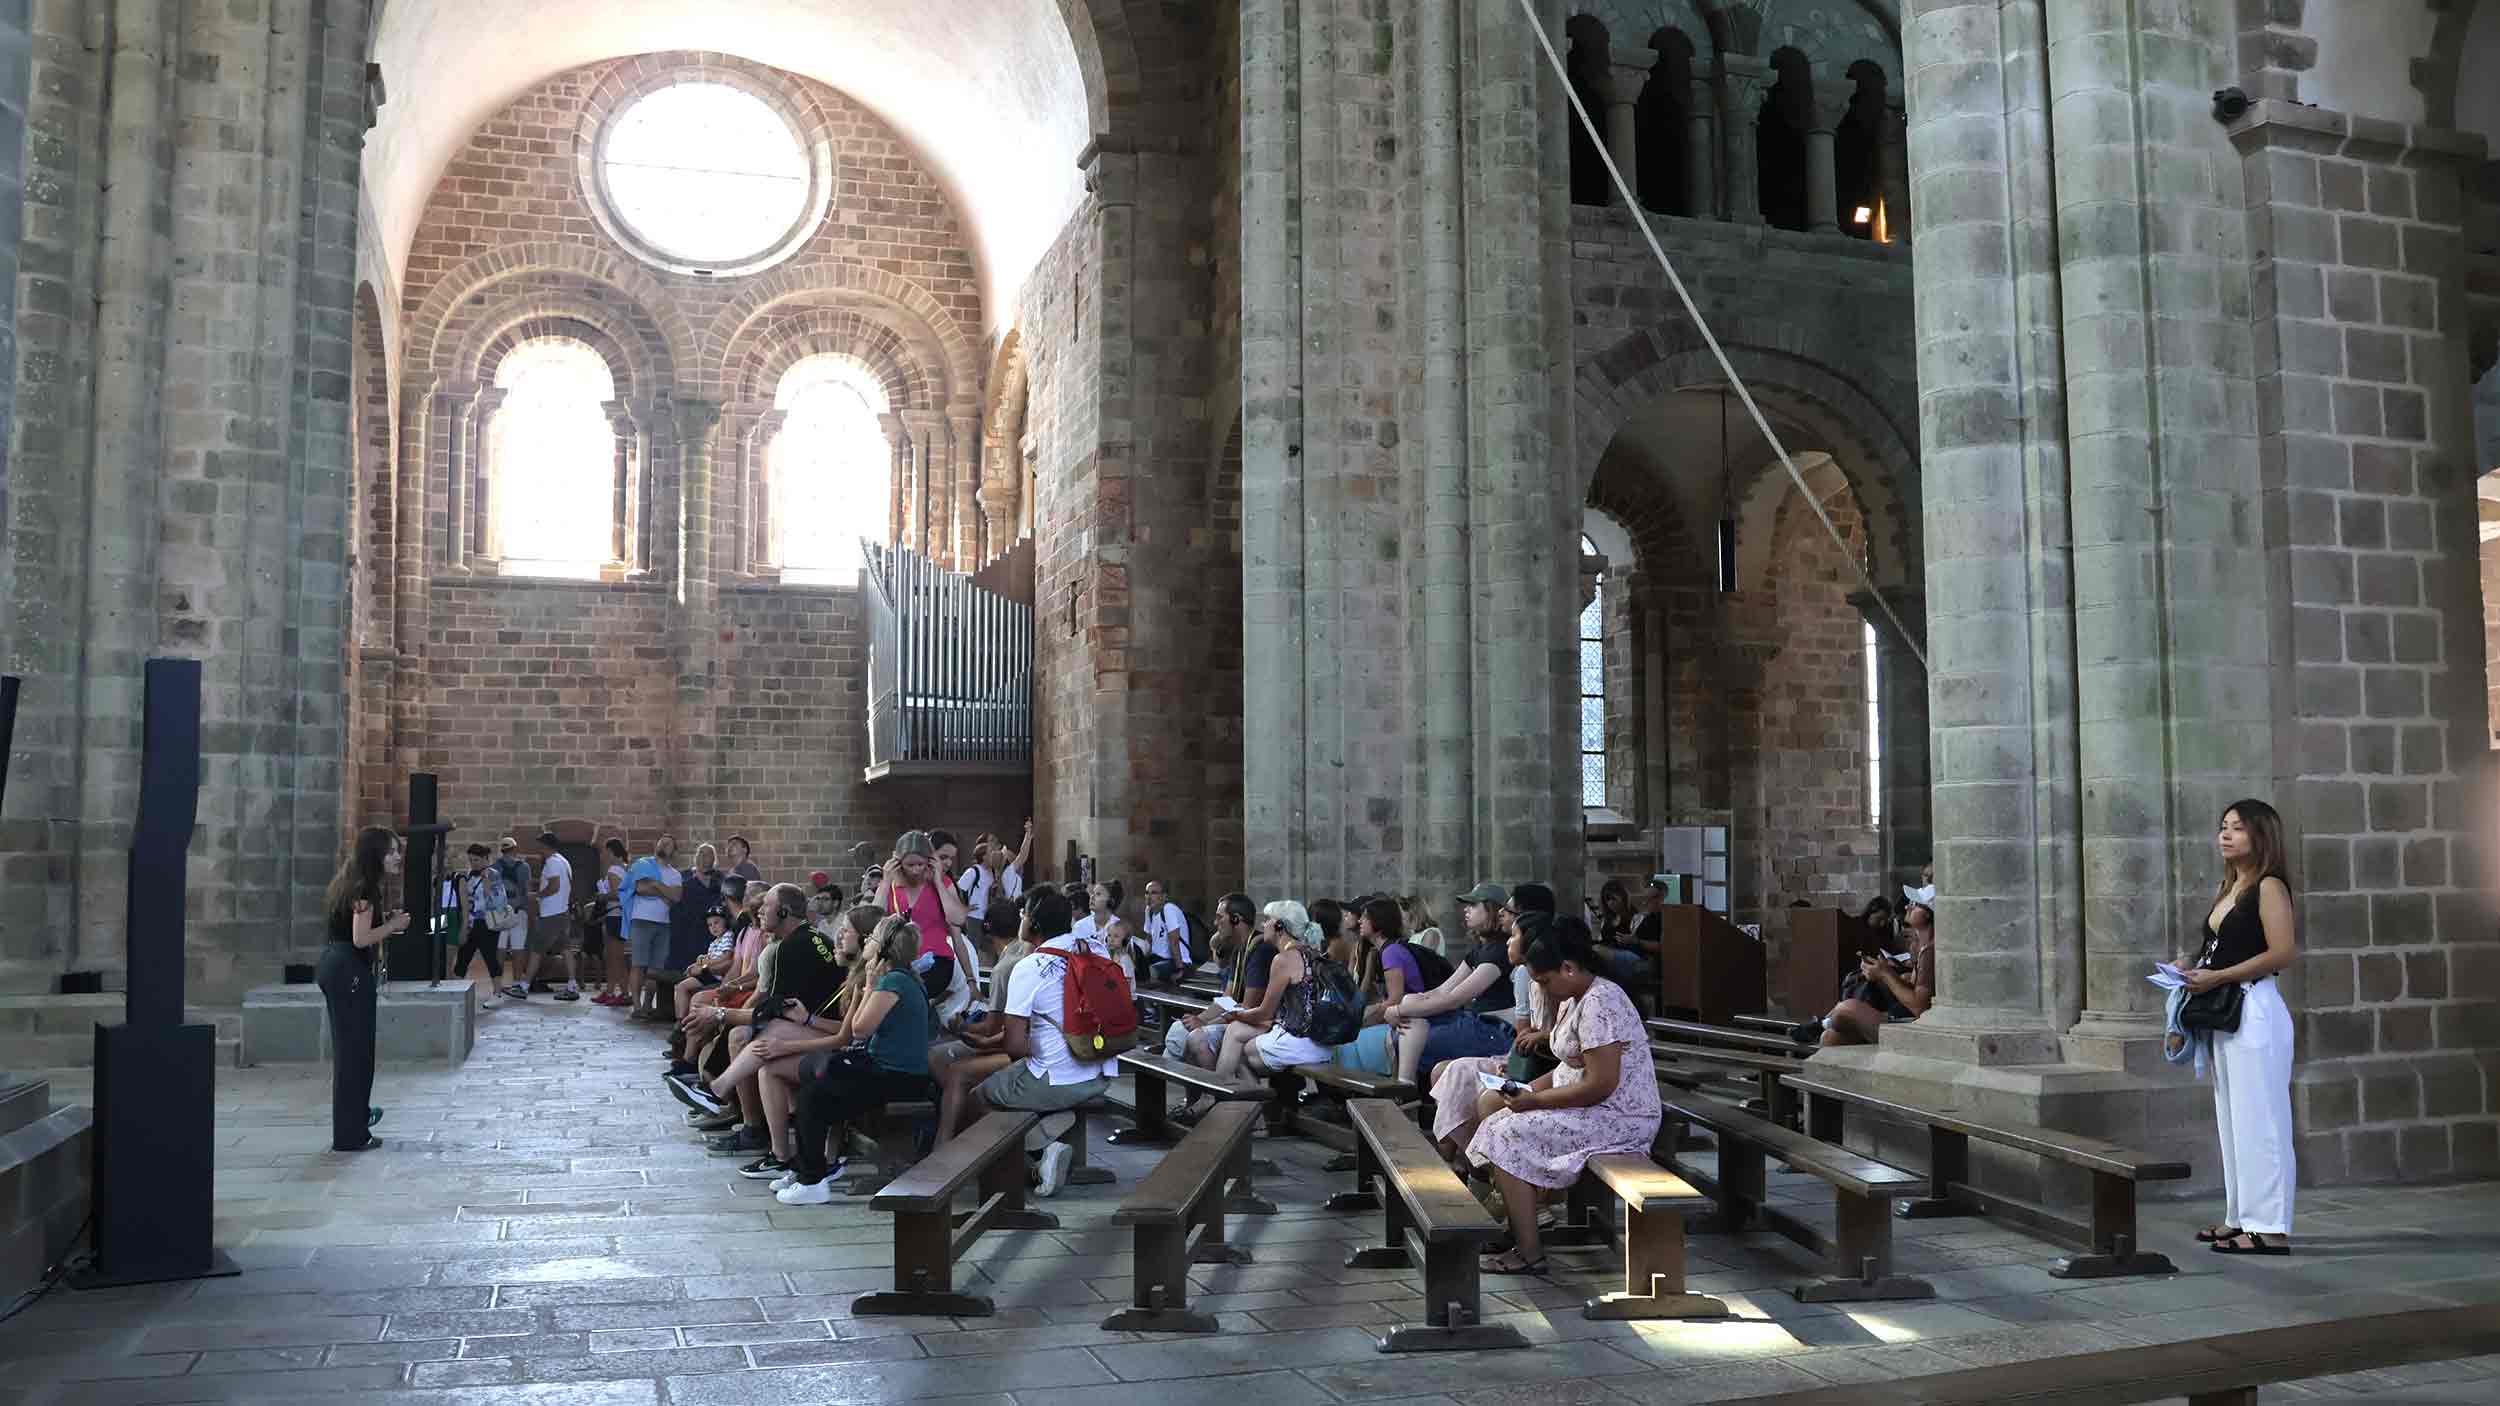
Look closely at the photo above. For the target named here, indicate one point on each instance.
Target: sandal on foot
(2212, 1233)
(1509, 1262)
(2258, 1244)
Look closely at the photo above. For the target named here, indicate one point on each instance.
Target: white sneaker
(807, 1193)
(1055, 1160)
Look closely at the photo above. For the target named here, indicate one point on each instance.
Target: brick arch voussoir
(486, 342)
(480, 273)
(1774, 361)
(952, 349)
(777, 343)
(1664, 549)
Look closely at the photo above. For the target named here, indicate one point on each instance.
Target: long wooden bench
(1654, 1201)
(928, 1234)
(1859, 1252)
(1429, 1216)
(2108, 1239)
(1693, 1032)
(1177, 1213)
(1770, 1072)
(1170, 1006)
(1343, 1086)
(1153, 1123)
(1770, 1024)
(2225, 1370)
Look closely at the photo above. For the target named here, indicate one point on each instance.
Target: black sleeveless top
(2241, 936)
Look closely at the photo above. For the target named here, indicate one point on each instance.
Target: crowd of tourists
(797, 1010)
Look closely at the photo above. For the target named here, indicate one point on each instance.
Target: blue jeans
(1461, 1035)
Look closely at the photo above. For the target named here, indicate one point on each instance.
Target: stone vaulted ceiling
(989, 92)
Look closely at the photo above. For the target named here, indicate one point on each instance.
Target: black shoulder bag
(2216, 1011)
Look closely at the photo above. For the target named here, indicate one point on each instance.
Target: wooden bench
(2225, 1370)
(1768, 1023)
(1770, 1072)
(883, 1141)
(1153, 1122)
(1170, 1005)
(1429, 1217)
(1654, 1201)
(929, 1236)
(2108, 1239)
(1693, 1032)
(1344, 1086)
(1177, 1213)
(1860, 1253)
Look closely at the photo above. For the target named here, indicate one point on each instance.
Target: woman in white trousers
(2248, 938)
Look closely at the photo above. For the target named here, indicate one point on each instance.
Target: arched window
(831, 468)
(1593, 689)
(1586, 65)
(552, 462)
(1780, 143)
(1659, 126)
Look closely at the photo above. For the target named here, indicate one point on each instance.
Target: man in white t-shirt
(1045, 1078)
(553, 935)
(1167, 938)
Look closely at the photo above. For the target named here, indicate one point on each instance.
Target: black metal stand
(155, 1077)
(417, 953)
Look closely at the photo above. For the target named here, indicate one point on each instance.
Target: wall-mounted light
(1865, 215)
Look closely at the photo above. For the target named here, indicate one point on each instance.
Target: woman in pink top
(912, 886)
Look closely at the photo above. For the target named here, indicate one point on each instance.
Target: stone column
(1629, 70)
(1827, 106)
(461, 486)
(1901, 707)
(1999, 626)
(1743, 80)
(922, 528)
(900, 445)
(1892, 156)
(1701, 151)
(963, 516)
(696, 746)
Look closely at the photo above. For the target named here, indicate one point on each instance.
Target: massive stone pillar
(189, 470)
(1743, 79)
(1399, 453)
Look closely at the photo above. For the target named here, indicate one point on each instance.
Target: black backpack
(1435, 969)
(1336, 1003)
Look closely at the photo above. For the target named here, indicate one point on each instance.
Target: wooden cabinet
(1823, 948)
(1707, 968)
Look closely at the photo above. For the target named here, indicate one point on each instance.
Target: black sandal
(1486, 1264)
(2257, 1245)
(2212, 1233)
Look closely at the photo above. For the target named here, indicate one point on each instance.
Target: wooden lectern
(1708, 970)
(1823, 948)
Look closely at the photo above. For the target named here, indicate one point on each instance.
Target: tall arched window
(551, 454)
(831, 468)
(1593, 689)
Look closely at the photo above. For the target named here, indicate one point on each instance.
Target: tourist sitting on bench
(960, 1064)
(1392, 966)
(1046, 1077)
(1166, 936)
(797, 1006)
(878, 1055)
(1462, 1016)
(1602, 1097)
(1245, 960)
(1883, 990)
(1456, 1084)
(1274, 1036)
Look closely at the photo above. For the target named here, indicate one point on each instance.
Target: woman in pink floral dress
(1602, 1098)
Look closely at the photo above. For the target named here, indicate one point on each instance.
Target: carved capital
(697, 420)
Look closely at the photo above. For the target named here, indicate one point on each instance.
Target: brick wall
(538, 699)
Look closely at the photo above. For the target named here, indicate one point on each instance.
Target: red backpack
(1098, 1010)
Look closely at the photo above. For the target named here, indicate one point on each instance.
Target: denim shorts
(1461, 1035)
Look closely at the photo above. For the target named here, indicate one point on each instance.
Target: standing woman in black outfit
(2247, 938)
(349, 985)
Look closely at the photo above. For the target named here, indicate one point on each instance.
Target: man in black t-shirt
(807, 975)
(1244, 960)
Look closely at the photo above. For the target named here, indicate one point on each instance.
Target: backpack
(1332, 1005)
(1098, 1010)
(1432, 969)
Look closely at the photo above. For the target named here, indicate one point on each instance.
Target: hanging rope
(1641, 218)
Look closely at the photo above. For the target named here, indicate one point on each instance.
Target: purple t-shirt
(1395, 958)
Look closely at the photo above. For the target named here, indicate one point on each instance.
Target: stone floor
(540, 1230)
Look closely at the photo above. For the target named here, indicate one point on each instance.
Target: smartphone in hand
(1495, 1083)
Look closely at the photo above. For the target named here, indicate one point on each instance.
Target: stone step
(58, 1032)
(23, 1099)
(78, 1051)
